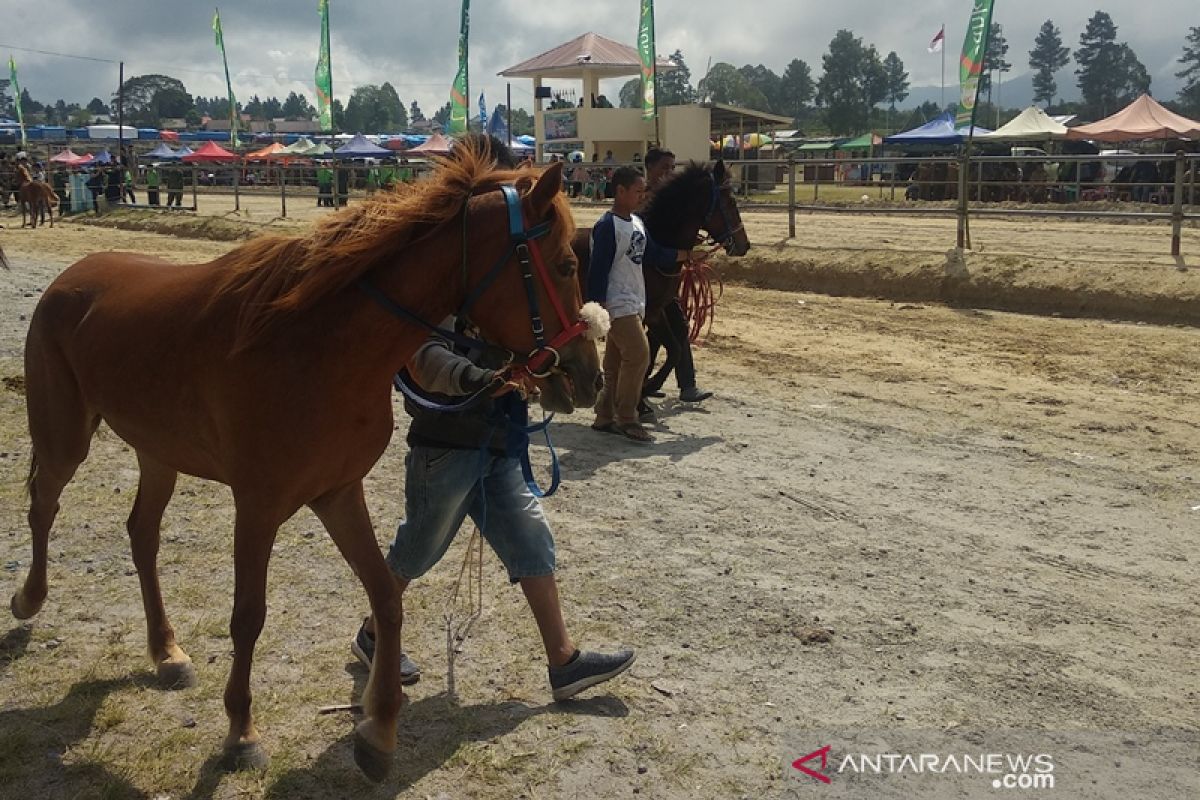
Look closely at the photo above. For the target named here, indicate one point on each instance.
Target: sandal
(635, 432)
(606, 427)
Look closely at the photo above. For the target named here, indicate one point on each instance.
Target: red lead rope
(696, 295)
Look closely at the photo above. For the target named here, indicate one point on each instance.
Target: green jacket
(152, 178)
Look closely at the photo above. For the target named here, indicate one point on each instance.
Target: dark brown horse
(270, 370)
(699, 197)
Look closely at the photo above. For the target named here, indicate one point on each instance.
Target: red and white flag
(938, 41)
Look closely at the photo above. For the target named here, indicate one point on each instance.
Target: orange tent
(271, 151)
(1144, 118)
(436, 145)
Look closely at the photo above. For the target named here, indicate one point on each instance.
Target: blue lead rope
(510, 411)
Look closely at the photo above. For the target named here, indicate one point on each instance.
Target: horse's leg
(344, 514)
(60, 428)
(254, 533)
(155, 487)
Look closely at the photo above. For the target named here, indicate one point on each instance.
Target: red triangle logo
(824, 754)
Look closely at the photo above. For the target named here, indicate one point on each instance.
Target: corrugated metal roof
(591, 51)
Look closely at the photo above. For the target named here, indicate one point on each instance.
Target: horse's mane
(674, 201)
(275, 275)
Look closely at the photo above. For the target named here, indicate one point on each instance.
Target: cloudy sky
(272, 44)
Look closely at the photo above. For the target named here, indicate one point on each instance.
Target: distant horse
(39, 199)
(270, 370)
(699, 197)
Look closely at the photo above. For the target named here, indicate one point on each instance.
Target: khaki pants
(626, 356)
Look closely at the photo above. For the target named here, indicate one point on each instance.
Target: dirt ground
(894, 516)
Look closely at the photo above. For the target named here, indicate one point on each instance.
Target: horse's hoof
(21, 608)
(176, 674)
(374, 763)
(244, 757)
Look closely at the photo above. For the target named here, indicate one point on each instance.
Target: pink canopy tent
(1144, 118)
(211, 151)
(436, 145)
(69, 158)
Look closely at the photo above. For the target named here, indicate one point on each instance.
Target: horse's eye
(566, 269)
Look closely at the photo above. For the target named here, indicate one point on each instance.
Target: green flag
(233, 115)
(324, 75)
(462, 84)
(12, 68)
(649, 60)
(970, 65)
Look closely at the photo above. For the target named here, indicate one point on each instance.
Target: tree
(96, 106)
(897, 80)
(272, 108)
(854, 82)
(150, 98)
(631, 94)
(675, 86)
(766, 82)
(1047, 57)
(796, 89)
(442, 117)
(338, 114)
(724, 83)
(28, 104)
(1189, 95)
(414, 113)
(254, 107)
(296, 106)
(994, 59)
(1110, 74)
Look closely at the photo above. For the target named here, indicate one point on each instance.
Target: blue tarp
(939, 130)
(359, 147)
(103, 157)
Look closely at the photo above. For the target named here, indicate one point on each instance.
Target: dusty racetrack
(893, 516)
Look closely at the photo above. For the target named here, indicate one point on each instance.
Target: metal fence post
(195, 205)
(791, 198)
(816, 180)
(283, 191)
(237, 194)
(1177, 216)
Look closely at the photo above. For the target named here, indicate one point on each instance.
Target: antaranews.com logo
(1023, 771)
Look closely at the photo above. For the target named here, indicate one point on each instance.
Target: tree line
(150, 100)
(856, 80)
(857, 89)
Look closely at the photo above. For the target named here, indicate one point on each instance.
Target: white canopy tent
(1031, 125)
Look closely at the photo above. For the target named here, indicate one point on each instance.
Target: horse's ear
(719, 174)
(548, 185)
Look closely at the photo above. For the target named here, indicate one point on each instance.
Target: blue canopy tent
(359, 147)
(939, 130)
(162, 153)
(103, 157)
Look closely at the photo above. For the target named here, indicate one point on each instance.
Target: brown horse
(270, 370)
(39, 199)
(699, 197)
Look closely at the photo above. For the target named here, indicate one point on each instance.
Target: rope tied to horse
(697, 297)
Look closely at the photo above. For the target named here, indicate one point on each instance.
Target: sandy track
(991, 513)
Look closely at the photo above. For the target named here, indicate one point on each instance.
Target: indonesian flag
(938, 41)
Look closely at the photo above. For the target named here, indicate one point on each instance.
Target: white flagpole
(943, 66)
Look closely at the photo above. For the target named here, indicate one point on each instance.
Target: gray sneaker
(587, 670)
(363, 648)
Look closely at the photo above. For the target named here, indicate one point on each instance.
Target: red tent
(211, 151)
(1144, 118)
(436, 145)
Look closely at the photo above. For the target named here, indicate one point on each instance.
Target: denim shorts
(444, 486)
